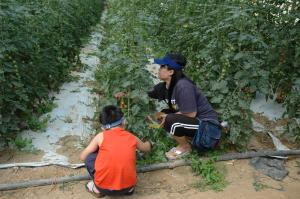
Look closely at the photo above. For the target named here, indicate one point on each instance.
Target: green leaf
(125, 84)
(239, 55)
(234, 113)
(243, 104)
(144, 98)
(135, 109)
(217, 99)
(222, 85)
(225, 90)
(135, 93)
(239, 74)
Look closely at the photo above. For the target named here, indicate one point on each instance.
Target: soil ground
(244, 182)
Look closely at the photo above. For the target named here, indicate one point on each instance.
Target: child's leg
(126, 191)
(90, 163)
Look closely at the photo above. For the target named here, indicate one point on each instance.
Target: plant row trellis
(235, 49)
(40, 43)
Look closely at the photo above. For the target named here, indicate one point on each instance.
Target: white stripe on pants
(186, 126)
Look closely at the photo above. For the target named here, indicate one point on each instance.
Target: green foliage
(47, 107)
(40, 44)
(161, 144)
(212, 178)
(35, 123)
(235, 49)
(123, 58)
(293, 111)
(23, 144)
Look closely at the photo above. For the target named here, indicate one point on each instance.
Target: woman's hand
(118, 95)
(161, 117)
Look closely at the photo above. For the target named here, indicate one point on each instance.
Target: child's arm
(143, 146)
(92, 147)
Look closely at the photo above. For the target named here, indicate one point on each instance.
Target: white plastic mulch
(74, 106)
(267, 107)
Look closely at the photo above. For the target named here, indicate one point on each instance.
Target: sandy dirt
(244, 182)
(70, 147)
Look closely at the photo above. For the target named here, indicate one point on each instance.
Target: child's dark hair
(110, 114)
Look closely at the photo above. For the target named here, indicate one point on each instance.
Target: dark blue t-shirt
(186, 98)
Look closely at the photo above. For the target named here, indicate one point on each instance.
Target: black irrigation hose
(153, 167)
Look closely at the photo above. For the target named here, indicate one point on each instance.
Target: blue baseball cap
(167, 60)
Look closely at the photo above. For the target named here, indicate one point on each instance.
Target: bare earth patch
(70, 147)
(12, 156)
(244, 182)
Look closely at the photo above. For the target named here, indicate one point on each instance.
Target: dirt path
(244, 182)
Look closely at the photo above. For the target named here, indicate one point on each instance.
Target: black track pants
(181, 125)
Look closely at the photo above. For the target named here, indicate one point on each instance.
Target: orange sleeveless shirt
(115, 165)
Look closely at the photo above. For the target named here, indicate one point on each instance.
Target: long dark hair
(177, 75)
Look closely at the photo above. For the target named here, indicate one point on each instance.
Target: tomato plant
(235, 49)
(40, 43)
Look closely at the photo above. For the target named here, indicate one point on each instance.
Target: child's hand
(147, 140)
(144, 145)
(149, 143)
(144, 139)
